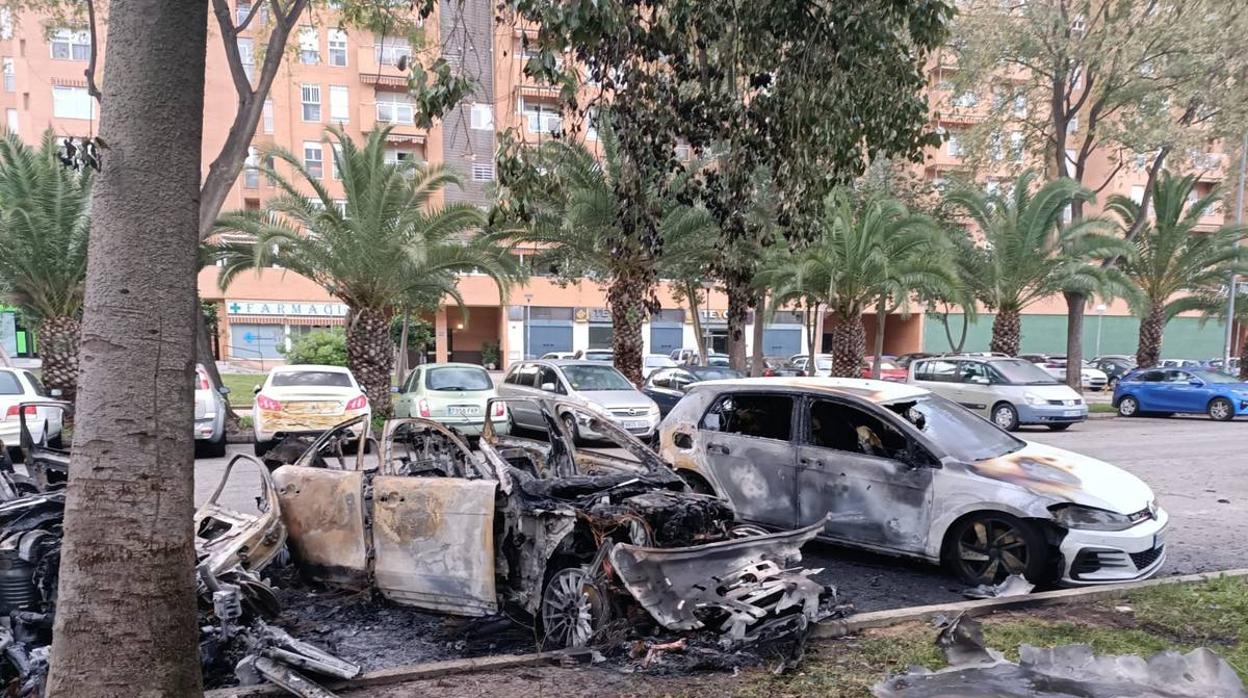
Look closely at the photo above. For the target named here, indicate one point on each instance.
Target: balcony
(373, 72)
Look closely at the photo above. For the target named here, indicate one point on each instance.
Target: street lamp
(1100, 316)
(528, 298)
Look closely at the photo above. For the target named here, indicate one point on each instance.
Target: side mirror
(55, 392)
(256, 390)
(223, 389)
(548, 387)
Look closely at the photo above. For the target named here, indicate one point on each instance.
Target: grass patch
(1179, 617)
(1102, 408)
(241, 387)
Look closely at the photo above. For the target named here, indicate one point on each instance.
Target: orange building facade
(351, 78)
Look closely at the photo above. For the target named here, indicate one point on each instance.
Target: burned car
(897, 469)
(576, 538)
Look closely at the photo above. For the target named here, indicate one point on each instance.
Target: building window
(10, 120)
(267, 117)
(70, 45)
(270, 166)
(247, 56)
(390, 49)
(335, 150)
(242, 13)
(309, 46)
(966, 100)
(954, 144)
(1020, 105)
(483, 172)
(482, 117)
(1016, 146)
(339, 104)
(541, 118)
(6, 23)
(314, 159)
(591, 125)
(251, 175)
(1137, 193)
(337, 47)
(72, 103)
(395, 108)
(399, 156)
(10, 74)
(311, 102)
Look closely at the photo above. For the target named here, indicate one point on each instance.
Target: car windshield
(458, 378)
(1020, 372)
(322, 379)
(965, 436)
(717, 360)
(583, 377)
(9, 385)
(598, 356)
(1212, 377)
(715, 373)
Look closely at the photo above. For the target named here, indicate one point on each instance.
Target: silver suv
(1010, 392)
(591, 383)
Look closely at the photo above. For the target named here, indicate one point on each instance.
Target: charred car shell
(572, 537)
(899, 470)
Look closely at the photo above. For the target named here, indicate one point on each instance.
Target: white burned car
(897, 469)
(304, 399)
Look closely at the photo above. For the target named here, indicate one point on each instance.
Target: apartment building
(351, 78)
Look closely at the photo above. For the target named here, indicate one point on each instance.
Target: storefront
(14, 337)
(667, 331)
(261, 330)
(782, 336)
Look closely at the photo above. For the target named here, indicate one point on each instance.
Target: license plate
(635, 424)
(463, 410)
(1071, 413)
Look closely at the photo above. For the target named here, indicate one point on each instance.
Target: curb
(881, 619)
(1102, 415)
(413, 672)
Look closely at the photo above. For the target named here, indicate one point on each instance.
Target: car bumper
(469, 427)
(206, 428)
(1052, 414)
(633, 426)
(1109, 557)
(269, 428)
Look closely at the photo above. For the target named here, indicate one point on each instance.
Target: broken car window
(761, 416)
(964, 435)
(846, 428)
(458, 378)
(295, 379)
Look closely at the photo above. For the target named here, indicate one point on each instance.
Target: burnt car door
(747, 442)
(855, 467)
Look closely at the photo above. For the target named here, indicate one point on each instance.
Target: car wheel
(1059, 427)
(1005, 416)
(1221, 409)
(1111, 384)
(1128, 407)
(987, 547)
(262, 447)
(212, 449)
(574, 609)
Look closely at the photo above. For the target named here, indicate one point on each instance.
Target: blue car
(1181, 390)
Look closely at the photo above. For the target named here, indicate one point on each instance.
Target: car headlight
(653, 411)
(1090, 518)
(1032, 399)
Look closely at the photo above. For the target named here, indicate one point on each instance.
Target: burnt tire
(1221, 410)
(1128, 406)
(1005, 415)
(574, 609)
(986, 547)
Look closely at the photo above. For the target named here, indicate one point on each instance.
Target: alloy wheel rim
(1218, 410)
(1127, 407)
(568, 609)
(990, 547)
(1004, 417)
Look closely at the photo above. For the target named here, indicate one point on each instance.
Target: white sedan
(17, 386)
(304, 399)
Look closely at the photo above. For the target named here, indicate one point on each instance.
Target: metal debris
(1013, 585)
(1069, 671)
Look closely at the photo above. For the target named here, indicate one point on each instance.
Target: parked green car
(453, 394)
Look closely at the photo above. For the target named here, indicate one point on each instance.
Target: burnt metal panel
(324, 514)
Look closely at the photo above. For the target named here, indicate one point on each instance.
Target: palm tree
(875, 257)
(1028, 254)
(386, 245)
(1175, 267)
(44, 222)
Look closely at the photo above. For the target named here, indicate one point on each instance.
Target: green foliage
(327, 347)
(44, 224)
(420, 332)
(491, 353)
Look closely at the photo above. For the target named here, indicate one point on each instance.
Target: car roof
(565, 362)
(863, 388)
(295, 368)
(452, 364)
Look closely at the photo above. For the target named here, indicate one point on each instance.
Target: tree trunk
(881, 319)
(627, 299)
(944, 320)
(400, 367)
(849, 344)
(738, 307)
(1243, 360)
(370, 355)
(691, 295)
(1076, 304)
(816, 345)
(58, 347)
(1006, 332)
(1148, 352)
(126, 612)
(756, 366)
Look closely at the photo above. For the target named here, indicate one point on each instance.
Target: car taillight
(499, 410)
(12, 411)
(423, 406)
(265, 402)
(358, 403)
(201, 380)
(769, 372)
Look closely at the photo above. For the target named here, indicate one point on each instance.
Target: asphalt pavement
(1193, 464)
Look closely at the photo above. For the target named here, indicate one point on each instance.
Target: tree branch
(229, 39)
(92, 88)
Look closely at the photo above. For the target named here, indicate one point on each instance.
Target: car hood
(1054, 391)
(611, 399)
(1066, 476)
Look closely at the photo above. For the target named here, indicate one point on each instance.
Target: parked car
(452, 394)
(899, 469)
(666, 387)
(1010, 392)
(210, 410)
(1178, 363)
(559, 355)
(777, 366)
(653, 362)
(1178, 390)
(689, 357)
(593, 384)
(889, 370)
(1114, 368)
(17, 385)
(1033, 358)
(304, 399)
(1090, 378)
(823, 364)
(601, 355)
(905, 359)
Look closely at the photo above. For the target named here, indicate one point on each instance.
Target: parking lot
(1193, 464)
